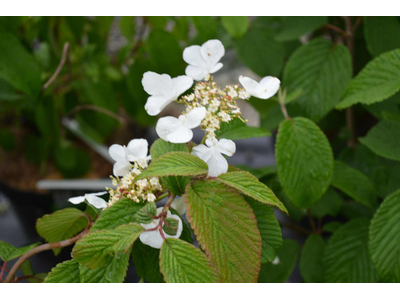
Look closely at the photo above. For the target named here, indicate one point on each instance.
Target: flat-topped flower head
(203, 60)
(136, 151)
(163, 90)
(266, 88)
(153, 238)
(92, 198)
(179, 130)
(212, 152)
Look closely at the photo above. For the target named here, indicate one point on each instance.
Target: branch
(41, 248)
(96, 108)
(2, 270)
(60, 65)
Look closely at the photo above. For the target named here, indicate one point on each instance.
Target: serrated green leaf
(186, 231)
(354, 210)
(354, 183)
(181, 262)
(271, 234)
(346, 256)
(65, 272)
(384, 244)
(311, 259)
(17, 66)
(175, 184)
(249, 185)
(384, 139)
(382, 34)
(331, 226)
(61, 225)
(8, 252)
(176, 164)
(236, 26)
(96, 249)
(146, 261)
(226, 228)
(122, 212)
(245, 132)
(170, 226)
(322, 71)
(329, 204)
(113, 272)
(280, 270)
(379, 80)
(145, 214)
(304, 160)
(294, 27)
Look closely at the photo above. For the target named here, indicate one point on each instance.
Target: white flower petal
(166, 125)
(192, 55)
(181, 84)
(212, 51)
(157, 85)
(137, 149)
(77, 200)
(121, 168)
(202, 151)
(269, 86)
(96, 201)
(180, 135)
(195, 72)
(217, 164)
(195, 116)
(155, 104)
(216, 68)
(249, 84)
(179, 205)
(117, 152)
(151, 238)
(226, 147)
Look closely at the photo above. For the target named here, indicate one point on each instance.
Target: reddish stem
(2, 270)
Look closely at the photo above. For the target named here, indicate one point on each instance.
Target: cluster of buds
(220, 104)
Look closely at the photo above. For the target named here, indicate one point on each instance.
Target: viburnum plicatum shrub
(336, 184)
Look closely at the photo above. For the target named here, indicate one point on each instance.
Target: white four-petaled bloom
(266, 88)
(203, 60)
(153, 238)
(92, 199)
(211, 154)
(163, 90)
(179, 130)
(136, 151)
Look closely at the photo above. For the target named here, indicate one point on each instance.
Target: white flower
(153, 238)
(267, 87)
(276, 261)
(203, 60)
(135, 151)
(92, 199)
(211, 154)
(151, 197)
(179, 130)
(163, 90)
(224, 116)
(179, 205)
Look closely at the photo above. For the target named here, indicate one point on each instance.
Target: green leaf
(292, 28)
(122, 212)
(379, 80)
(331, 226)
(206, 27)
(320, 71)
(175, 163)
(127, 26)
(17, 66)
(311, 259)
(280, 270)
(113, 272)
(384, 139)
(304, 159)
(354, 183)
(61, 225)
(260, 173)
(145, 214)
(329, 204)
(226, 228)
(175, 184)
(346, 257)
(146, 261)
(236, 26)
(249, 185)
(265, 56)
(96, 249)
(186, 231)
(170, 226)
(158, 22)
(181, 262)
(8, 252)
(382, 34)
(245, 132)
(65, 272)
(384, 244)
(271, 234)
(354, 210)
